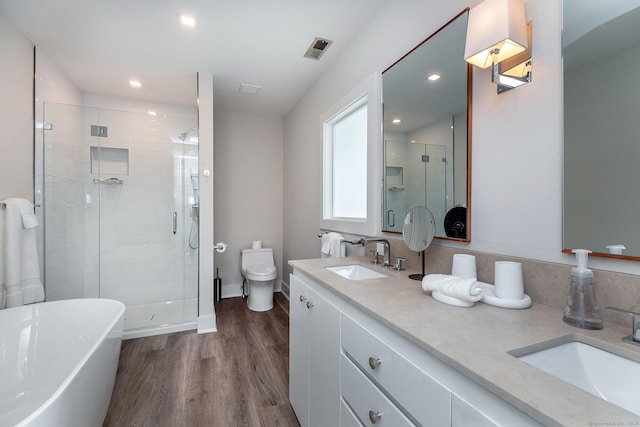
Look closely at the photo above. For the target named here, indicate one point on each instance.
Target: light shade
(495, 32)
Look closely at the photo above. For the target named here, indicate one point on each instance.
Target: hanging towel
(453, 286)
(332, 245)
(22, 283)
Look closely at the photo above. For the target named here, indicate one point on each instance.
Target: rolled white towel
(453, 286)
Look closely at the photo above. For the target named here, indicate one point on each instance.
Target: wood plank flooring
(237, 376)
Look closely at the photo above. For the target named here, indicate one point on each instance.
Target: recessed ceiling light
(152, 113)
(187, 21)
(396, 121)
(135, 83)
(433, 77)
(249, 89)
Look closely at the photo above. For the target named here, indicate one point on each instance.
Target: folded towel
(453, 286)
(332, 245)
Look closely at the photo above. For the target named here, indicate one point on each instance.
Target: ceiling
(100, 45)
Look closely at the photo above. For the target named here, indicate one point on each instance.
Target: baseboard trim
(207, 324)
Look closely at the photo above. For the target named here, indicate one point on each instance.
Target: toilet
(260, 273)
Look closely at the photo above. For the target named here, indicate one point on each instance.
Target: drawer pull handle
(374, 416)
(310, 304)
(374, 362)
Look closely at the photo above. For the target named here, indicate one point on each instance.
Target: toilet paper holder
(220, 247)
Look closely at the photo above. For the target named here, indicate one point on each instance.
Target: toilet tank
(257, 256)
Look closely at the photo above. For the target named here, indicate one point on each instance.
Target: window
(346, 150)
(352, 157)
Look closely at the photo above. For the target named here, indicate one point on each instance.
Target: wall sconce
(498, 35)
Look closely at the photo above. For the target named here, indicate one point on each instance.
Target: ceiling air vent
(317, 48)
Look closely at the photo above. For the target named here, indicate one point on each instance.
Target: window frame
(370, 90)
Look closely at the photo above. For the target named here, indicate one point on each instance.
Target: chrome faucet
(387, 249)
(634, 338)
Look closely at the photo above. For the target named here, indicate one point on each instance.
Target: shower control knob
(310, 304)
(303, 298)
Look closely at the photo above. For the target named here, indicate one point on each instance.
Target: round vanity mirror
(418, 231)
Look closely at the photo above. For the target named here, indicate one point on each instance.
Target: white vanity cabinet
(350, 369)
(314, 356)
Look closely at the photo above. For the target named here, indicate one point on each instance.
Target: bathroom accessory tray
(491, 298)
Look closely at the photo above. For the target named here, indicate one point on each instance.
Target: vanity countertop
(475, 341)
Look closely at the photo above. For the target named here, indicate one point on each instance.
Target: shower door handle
(175, 222)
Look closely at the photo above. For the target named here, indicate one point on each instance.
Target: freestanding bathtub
(58, 362)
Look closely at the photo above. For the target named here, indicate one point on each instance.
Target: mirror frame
(469, 133)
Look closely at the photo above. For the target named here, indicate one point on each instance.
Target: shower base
(144, 320)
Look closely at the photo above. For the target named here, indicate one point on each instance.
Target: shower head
(184, 134)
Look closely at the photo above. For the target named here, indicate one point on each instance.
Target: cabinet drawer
(482, 409)
(427, 400)
(365, 400)
(347, 417)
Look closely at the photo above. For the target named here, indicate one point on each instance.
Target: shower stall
(118, 199)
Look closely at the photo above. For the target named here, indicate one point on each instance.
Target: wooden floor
(237, 376)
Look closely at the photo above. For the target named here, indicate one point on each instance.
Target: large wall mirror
(426, 99)
(601, 59)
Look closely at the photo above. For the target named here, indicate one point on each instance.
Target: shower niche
(109, 161)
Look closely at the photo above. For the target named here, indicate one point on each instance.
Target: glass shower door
(120, 220)
(143, 220)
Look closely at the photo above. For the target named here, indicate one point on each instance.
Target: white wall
(16, 113)
(206, 126)
(248, 190)
(52, 85)
(395, 30)
(517, 138)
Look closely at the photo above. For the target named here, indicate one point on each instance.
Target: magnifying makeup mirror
(418, 230)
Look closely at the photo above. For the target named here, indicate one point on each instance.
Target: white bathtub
(58, 362)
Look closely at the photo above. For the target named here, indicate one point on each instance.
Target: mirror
(601, 58)
(418, 231)
(426, 153)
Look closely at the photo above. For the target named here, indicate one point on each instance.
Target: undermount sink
(356, 272)
(613, 378)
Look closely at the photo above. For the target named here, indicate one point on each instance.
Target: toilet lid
(261, 269)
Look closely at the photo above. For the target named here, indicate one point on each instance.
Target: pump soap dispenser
(582, 309)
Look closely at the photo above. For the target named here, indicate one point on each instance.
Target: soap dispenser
(582, 309)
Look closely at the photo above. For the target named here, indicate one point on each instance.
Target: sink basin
(357, 272)
(613, 378)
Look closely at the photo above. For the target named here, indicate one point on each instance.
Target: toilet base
(260, 295)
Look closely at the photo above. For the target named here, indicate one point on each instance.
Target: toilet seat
(261, 272)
